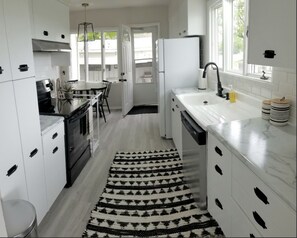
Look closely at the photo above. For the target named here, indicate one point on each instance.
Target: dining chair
(105, 96)
(100, 101)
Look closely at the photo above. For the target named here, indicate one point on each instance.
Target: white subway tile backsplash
(285, 89)
(292, 79)
(256, 90)
(266, 93)
(279, 76)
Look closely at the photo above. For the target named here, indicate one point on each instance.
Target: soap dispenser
(232, 95)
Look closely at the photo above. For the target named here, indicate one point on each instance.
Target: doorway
(144, 63)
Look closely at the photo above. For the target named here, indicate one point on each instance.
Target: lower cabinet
(240, 202)
(176, 108)
(54, 162)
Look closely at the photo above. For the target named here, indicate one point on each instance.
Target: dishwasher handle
(198, 134)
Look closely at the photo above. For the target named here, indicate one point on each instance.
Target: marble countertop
(269, 151)
(48, 122)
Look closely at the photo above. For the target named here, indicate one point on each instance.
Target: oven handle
(81, 114)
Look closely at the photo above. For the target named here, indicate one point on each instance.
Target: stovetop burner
(62, 107)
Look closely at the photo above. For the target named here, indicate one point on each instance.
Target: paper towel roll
(202, 82)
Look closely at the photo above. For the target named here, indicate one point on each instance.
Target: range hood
(50, 46)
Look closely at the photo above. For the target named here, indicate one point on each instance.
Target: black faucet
(220, 88)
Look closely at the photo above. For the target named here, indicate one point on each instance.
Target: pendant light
(85, 29)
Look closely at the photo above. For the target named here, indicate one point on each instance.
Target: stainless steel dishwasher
(194, 158)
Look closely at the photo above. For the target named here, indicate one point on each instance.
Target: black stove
(76, 114)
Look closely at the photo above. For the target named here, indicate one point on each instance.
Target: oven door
(77, 132)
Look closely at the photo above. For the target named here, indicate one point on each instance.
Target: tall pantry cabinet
(21, 161)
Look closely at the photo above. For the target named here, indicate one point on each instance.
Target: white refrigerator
(178, 63)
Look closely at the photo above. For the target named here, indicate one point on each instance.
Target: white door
(126, 70)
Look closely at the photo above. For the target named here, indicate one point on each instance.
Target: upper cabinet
(50, 21)
(17, 22)
(187, 18)
(272, 33)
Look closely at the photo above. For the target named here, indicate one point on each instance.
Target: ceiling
(75, 5)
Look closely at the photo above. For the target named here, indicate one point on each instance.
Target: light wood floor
(69, 214)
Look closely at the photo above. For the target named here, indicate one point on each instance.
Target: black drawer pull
(55, 149)
(252, 235)
(23, 67)
(269, 54)
(173, 109)
(218, 150)
(219, 204)
(259, 220)
(218, 169)
(54, 135)
(45, 33)
(34, 152)
(261, 195)
(11, 170)
(172, 99)
(176, 106)
(63, 36)
(1, 70)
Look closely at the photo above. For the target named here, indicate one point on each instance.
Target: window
(102, 57)
(228, 23)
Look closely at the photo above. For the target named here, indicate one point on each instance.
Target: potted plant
(67, 89)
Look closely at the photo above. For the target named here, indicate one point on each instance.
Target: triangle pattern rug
(145, 196)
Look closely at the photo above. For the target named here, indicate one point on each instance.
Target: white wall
(116, 17)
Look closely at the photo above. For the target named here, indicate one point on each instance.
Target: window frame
(227, 7)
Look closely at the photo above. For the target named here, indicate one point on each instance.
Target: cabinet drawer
(264, 208)
(219, 208)
(240, 224)
(219, 154)
(53, 138)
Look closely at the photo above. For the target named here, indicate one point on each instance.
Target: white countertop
(269, 151)
(48, 122)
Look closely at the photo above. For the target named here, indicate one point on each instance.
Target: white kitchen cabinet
(5, 70)
(219, 183)
(187, 18)
(272, 27)
(176, 108)
(240, 202)
(54, 161)
(12, 175)
(50, 21)
(29, 126)
(18, 32)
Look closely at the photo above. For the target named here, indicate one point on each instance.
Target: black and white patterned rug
(145, 196)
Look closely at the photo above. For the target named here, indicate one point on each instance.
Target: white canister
(280, 111)
(202, 82)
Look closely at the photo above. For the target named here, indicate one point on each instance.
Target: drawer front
(53, 138)
(264, 208)
(219, 208)
(240, 224)
(219, 155)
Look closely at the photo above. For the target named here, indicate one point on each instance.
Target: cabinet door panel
(5, 71)
(276, 31)
(12, 176)
(19, 38)
(28, 115)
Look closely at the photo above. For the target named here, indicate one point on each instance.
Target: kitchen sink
(198, 99)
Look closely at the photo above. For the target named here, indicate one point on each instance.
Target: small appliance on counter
(76, 119)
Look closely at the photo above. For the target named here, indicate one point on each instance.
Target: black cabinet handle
(1, 70)
(54, 135)
(55, 149)
(218, 150)
(172, 99)
(261, 195)
(259, 220)
(62, 36)
(23, 67)
(11, 170)
(269, 54)
(176, 106)
(219, 204)
(45, 33)
(173, 109)
(218, 169)
(252, 235)
(34, 152)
